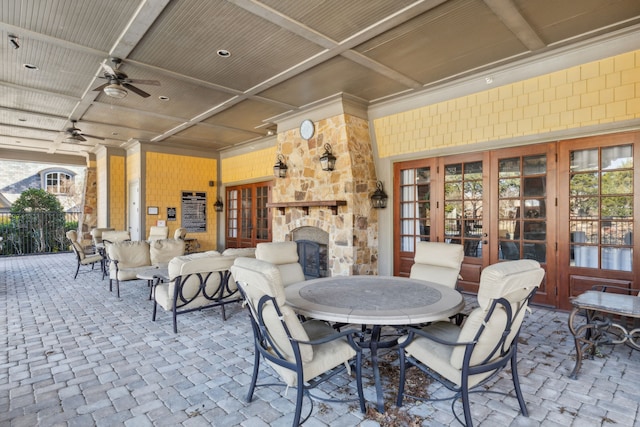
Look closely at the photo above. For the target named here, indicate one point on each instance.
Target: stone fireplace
(333, 202)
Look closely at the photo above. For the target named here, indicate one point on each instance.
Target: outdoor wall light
(280, 168)
(379, 197)
(218, 205)
(328, 160)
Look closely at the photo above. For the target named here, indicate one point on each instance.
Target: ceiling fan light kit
(119, 82)
(115, 90)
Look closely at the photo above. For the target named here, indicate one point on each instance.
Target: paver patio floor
(72, 354)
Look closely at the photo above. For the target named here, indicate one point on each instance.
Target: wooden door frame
(579, 279)
(547, 293)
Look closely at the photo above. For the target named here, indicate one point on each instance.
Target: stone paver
(72, 354)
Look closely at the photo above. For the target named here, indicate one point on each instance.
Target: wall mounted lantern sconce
(379, 197)
(218, 205)
(328, 160)
(280, 168)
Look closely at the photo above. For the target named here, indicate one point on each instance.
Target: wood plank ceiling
(284, 55)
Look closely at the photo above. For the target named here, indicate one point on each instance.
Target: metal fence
(35, 232)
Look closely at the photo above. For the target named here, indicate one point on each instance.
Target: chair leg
(516, 384)
(118, 287)
(155, 309)
(175, 319)
(77, 269)
(299, 398)
(464, 392)
(363, 409)
(403, 368)
(254, 376)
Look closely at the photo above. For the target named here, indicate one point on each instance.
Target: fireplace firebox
(313, 258)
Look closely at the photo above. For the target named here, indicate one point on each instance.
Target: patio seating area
(72, 355)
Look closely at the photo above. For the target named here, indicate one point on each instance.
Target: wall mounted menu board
(194, 211)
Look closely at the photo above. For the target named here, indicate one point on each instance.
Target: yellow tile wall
(599, 92)
(117, 195)
(167, 175)
(257, 164)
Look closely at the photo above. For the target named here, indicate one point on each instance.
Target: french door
(496, 204)
(248, 220)
(597, 239)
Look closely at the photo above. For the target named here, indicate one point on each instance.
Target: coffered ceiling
(284, 55)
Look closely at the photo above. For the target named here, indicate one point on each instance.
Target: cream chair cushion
(180, 233)
(437, 262)
(189, 264)
(83, 258)
(116, 235)
(285, 256)
(132, 257)
(512, 280)
(164, 250)
(258, 278)
(158, 232)
(96, 234)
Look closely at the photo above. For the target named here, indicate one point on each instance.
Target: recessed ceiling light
(223, 53)
(488, 80)
(115, 133)
(163, 98)
(31, 67)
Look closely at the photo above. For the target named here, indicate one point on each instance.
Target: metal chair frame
(499, 358)
(266, 347)
(220, 297)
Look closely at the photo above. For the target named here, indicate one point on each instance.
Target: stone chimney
(352, 224)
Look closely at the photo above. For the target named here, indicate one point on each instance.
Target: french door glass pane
(463, 194)
(522, 208)
(415, 207)
(601, 208)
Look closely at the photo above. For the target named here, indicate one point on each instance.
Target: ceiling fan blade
(99, 88)
(74, 138)
(143, 82)
(136, 90)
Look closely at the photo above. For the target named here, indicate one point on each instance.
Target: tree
(36, 216)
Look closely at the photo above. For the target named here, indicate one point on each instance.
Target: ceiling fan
(75, 135)
(118, 82)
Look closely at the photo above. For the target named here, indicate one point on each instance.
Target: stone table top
(374, 300)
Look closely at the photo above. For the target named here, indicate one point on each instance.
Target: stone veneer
(353, 231)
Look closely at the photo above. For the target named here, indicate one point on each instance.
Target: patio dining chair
(440, 263)
(81, 256)
(303, 354)
(466, 357)
(437, 262)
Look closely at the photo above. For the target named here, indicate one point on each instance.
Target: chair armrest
(412, 332)
(350, 334)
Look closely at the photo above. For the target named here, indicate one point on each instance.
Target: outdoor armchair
(196, 282)
(81, 257)
(303, 354)
(284, 255)
(96, 235)
(467, 356)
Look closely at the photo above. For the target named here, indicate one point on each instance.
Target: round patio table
(377, 301)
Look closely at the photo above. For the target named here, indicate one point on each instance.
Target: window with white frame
(58, 182)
